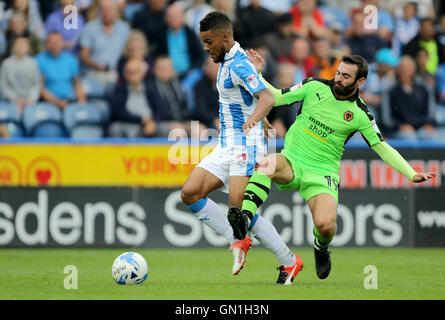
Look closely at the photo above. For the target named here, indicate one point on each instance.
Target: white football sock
(266, 233)
(212, 215)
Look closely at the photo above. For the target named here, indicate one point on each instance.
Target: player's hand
(269, 131)
(249, 124)
(256, 59)
(422, 176)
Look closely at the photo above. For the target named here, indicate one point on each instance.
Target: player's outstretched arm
(393, 158)
(258, 61)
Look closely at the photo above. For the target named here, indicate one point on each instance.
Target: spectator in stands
(150, 19)
(280, 40)
(441, 33)
(4, 131)
(102, 41)
(425, 8)
(195, 12)
(254, 21)
(406, 28)
(411, 106)
(422, 59)
(360, 40)
(174, 111)
(270, 64)
(19, 76)
(427, 39)
(381, 77)
(206, 96)
(30, 10)
(136, 48)
(135, 104)
(308, 19)
(299, 56)
(278, 7)
(91, 8)
(325, 64)
(228, 7)
(17, 29)
(282, 118)
(70, 29)
(338, 43)
(61, 83)
(180, 43)
(46, 8)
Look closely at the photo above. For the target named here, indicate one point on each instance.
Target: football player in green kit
(331, 112)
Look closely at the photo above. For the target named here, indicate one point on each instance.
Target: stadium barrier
(100, 195)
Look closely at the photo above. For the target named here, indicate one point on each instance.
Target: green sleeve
(276, 93)
(286, 96)
(392, 157)
(369, 129)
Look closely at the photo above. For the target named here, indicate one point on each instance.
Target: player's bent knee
(326, 227)
(268, 166)
(190, 195)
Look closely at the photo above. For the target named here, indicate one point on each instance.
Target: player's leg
(237, 185)
(194, 194)
(324, 212)
(274, 167)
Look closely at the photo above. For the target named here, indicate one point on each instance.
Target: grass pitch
(202, 274)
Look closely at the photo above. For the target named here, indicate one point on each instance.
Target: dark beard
(221, 56)
(343, 91)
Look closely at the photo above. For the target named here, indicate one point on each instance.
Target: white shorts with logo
(233, 161)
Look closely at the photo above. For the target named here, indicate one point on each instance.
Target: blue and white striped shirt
(237, 83)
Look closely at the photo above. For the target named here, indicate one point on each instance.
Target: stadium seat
(83, 121)
(440, 115)
(43, 120)
(10, 117)
(103, 107)
(93, 89)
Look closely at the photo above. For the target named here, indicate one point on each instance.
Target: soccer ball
(130, 268)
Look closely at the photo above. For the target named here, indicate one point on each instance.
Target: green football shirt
(324, 124)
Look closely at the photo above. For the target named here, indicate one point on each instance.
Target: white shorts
(233, 161)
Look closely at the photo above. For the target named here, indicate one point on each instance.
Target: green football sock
(256, 193)
(321, 241)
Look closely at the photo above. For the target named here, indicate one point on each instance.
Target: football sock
(321, 241)
(257, 191)
(266, 233)
(211, 214)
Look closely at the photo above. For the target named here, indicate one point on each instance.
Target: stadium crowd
(123, 68)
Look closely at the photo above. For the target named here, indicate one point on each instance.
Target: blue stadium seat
(10, 116)
(103, 107)
(440, 115)
(93, 89)
(83, 121)
(43, 120)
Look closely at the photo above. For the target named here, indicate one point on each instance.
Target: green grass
(206, 274)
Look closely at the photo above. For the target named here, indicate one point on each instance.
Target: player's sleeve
(276, 93)
(393, 158)
(297, 92)
(247, 77)
(289, 95)
(368, 128)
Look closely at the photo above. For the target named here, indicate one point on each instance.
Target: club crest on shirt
(348, 115)
(252, 81)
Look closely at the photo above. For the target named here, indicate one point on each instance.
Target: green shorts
(310, 181)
